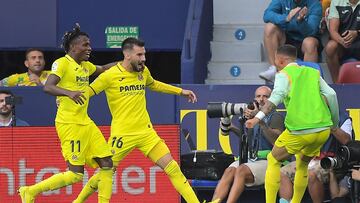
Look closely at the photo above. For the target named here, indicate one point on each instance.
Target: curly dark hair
(70, 36)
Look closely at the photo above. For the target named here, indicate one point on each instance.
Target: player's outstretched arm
(101, 68)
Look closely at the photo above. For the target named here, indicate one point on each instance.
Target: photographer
(318, 176)
(6, 111)
(263, 135)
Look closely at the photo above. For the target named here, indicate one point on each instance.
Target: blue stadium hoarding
(204, 130)
(39, 109)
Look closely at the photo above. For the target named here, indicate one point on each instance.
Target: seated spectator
(294, 22)
(6, 113)
(236, 176)
(316, 174)
(35, 76)
(344, 33)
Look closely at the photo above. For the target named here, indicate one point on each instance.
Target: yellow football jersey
(23, 79)
(125, 93)
(75, 77)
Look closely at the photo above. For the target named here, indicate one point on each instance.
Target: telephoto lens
(225, 123)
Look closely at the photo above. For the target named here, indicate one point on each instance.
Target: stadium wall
(42, 23)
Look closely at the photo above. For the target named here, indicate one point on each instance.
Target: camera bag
(205, 165)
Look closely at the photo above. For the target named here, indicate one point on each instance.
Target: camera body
(346, 157)
(13, 100)
(224, 109)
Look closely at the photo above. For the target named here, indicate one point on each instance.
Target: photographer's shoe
(269, 74)
(26, 196)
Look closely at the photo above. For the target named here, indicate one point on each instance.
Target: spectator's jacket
(19, 122)
(278, 10)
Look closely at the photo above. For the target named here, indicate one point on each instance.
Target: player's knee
(73, 177)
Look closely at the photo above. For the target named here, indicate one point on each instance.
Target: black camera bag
(205, 165)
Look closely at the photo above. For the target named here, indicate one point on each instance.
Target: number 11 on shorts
(73, 143)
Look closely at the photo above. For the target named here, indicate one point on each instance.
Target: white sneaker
(269, 74)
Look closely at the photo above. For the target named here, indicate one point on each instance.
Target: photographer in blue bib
(261, 139)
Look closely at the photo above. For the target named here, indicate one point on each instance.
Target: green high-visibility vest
(306, 109)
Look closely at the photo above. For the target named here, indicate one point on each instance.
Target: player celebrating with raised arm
(124, 85)
(308, 120)
(79, 136)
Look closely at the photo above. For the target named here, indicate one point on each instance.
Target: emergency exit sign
(115, 35)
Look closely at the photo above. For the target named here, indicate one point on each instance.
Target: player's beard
(137, 66)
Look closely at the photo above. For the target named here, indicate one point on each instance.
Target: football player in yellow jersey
(35, 76)
(125, 85)
(81, 140)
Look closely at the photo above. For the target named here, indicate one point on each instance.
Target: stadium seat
(349, 73)
(311, 65)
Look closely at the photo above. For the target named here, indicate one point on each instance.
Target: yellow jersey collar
(120, 67)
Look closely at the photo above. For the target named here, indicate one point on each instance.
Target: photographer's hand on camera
(250, 113)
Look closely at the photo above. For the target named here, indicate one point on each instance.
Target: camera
(13, 100)
(223, 109)
(346, 157)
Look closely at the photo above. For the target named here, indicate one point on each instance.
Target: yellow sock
(105, 185)
(272, 179)
(90, 187)
(55, 182)
(180, 183)
(300, 180)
